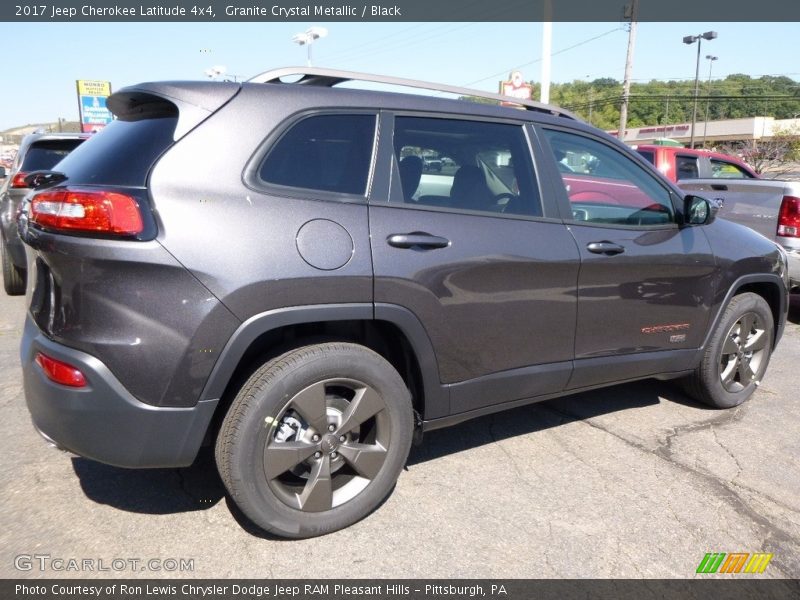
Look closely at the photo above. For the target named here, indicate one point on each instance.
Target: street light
(307, 38)
(711, 60)
(689, 40)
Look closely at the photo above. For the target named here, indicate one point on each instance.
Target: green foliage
(664, 102)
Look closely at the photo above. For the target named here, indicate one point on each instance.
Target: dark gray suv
(37, 151)
(268, 268)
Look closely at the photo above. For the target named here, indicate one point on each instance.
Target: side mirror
(699, 211)
(2, 172)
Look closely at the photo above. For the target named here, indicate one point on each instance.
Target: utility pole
(547, 43)
(626, 83)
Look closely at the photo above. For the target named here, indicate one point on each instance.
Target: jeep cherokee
(253, 265)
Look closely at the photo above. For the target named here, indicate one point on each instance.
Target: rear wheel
(737, 356)
(13, 276)
(315, 439)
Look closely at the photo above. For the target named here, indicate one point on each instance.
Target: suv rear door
(490, 273)
(646, 283)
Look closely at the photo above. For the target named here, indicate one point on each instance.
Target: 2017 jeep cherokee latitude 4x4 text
(265, 267)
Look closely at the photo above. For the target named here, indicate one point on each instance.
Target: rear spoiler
(191, 101)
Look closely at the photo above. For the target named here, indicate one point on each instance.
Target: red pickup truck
(684, 163)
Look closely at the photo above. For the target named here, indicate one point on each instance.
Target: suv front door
(477, 255)
(646, 282)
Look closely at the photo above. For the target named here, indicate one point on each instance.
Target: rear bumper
(103, 421)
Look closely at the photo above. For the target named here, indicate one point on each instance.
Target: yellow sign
(87, 87)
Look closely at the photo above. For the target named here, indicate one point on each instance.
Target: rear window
(44, 155)
(122, 153)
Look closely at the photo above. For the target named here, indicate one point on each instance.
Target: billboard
(92, 104)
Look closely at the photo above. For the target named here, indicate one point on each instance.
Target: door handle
(608, 248)
(417, 239)
(720, 187)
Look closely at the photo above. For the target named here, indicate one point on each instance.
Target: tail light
(60, 372)
(18, 181)
(87, 210)
(789, 217)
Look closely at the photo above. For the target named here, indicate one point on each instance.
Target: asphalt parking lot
(631, 481)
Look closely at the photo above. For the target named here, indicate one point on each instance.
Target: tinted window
(649, 155)
(723, 169)
(466, 165)
(605, 186)
(45, 154)
(122, 153)
(329, 153)
(686, 167)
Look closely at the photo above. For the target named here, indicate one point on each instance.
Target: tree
(772, 157)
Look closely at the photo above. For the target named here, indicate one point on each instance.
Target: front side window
(329, 153)
(465, 165)
(722, 169)
(605, 186)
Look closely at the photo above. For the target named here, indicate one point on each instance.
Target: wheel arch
(767, 285)
(392, 331)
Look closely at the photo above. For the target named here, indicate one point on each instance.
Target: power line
(506, 71)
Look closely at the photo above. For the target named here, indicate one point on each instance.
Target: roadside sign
(516, 87)
(94, 115)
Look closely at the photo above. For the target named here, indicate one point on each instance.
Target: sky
(43, 60)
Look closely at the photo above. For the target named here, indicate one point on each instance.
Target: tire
(315, 439)
(737, 355)
(13, 276)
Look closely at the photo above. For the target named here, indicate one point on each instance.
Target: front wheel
(737, 355)
(315, 439)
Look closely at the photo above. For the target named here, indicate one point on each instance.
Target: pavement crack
(727, 450)
(510, 456)
(725, 490)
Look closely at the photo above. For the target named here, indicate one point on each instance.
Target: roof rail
(332, 77)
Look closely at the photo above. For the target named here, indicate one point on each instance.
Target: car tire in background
(13, 276)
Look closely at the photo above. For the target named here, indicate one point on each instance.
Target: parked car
(298, 304)
(432, 163)
(36, 152)
(769, 206)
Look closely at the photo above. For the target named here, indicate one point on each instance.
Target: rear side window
(45, 154)
(465, 165)
(122, 153)
(329, 153)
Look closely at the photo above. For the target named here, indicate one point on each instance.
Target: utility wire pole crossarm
(626, 83)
